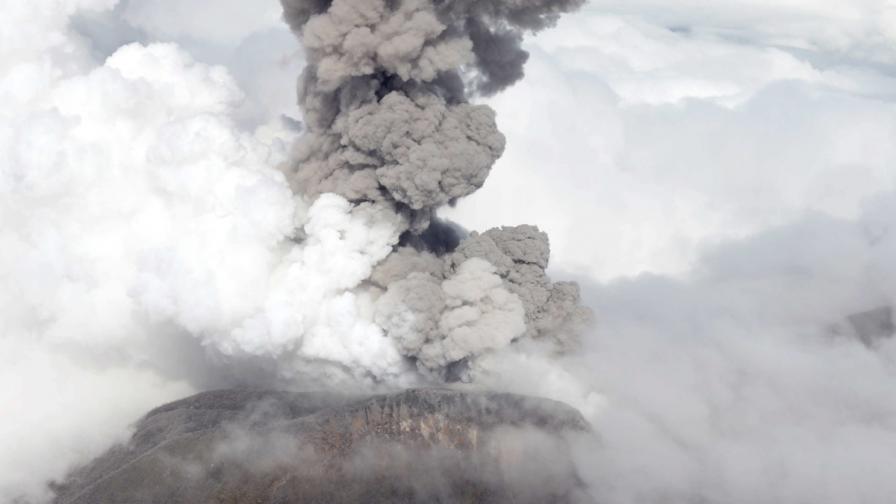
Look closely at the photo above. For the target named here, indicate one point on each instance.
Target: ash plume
(385, 95)
(386, 99)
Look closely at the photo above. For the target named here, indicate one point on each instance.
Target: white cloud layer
(225, 22)
(682, 137)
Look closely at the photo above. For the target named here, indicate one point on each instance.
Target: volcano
(266, 447)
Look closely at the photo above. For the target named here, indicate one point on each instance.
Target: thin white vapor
(745, 381)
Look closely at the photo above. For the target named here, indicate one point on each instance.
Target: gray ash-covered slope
(428, 445)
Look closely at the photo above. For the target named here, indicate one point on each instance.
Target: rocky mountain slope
(267, 447)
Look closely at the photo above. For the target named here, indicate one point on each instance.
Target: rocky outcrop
(264, 447)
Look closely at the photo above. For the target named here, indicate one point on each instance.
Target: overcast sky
(719, 174)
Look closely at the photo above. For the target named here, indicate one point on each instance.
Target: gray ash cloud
(386, 99)
(385, 94)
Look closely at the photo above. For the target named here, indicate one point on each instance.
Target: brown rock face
(264, 447)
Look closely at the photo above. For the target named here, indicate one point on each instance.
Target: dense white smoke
(134, 208)
(120, 186)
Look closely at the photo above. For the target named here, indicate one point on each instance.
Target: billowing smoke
(150, 247)
(463, 301)
(385, 97)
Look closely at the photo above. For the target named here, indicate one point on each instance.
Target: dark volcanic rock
(264, 447)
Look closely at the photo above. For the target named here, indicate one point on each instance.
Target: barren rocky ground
(266, 447)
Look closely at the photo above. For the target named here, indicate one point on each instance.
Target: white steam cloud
(133, 207)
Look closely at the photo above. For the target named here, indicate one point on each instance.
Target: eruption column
(386, 101)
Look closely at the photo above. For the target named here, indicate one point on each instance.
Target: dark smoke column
(385, 98)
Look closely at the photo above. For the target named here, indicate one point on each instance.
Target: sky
(719, 176)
